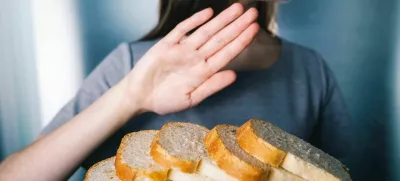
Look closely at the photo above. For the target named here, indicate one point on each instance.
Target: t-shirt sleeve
(333, 132)
(108, 73)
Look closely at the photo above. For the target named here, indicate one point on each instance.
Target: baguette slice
(102, 171)
(272, 145)
(133, 160)
(180, 146)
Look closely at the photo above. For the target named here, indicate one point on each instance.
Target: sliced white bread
(180, 146)
(272, 145)
(102, 171)
(224, 149)
(133, 160)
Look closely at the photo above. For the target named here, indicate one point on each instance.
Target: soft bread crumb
(137, 151)
(133, 160)
(184, 140)
(212, 171)
(177, 175)
(306, 170)
(278, 174)
(102, 171)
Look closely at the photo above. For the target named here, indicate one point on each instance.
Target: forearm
(56, 155)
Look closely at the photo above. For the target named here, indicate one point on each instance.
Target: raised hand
(180, 71)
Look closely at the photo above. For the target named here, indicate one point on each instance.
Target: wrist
(131, 104)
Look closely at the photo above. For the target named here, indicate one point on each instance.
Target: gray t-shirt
(298, 94)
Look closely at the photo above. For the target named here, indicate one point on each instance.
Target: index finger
(229, 52)
(208, 30)
(189, 24)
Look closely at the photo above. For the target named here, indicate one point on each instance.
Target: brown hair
(173, 12)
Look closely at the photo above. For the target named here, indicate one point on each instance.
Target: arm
(172, 76)
(63, 149)
(106, 75)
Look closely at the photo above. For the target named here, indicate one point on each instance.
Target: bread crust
(257, 147)
(228, 162)
(128, 173)
(267, 153)
(123, 170)
(163, 158)
(94, 166)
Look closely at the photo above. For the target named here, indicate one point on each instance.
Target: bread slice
(279, 174)
(224, 150)
(223, 147)
(133, 160)
(180, 146)
(272, 145)
(102, 171)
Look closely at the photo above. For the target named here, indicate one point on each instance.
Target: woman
(243, 71)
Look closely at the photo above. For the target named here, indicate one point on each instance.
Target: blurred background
(48, 47)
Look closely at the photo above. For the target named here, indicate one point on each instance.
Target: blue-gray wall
(395, 141)
(105, 24)
(357, 39)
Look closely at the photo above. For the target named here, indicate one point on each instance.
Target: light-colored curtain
(47, 48)
(19, 102)
(34, 58)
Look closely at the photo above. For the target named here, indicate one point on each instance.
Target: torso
(282, 94)
(253, 95)
(287, 94)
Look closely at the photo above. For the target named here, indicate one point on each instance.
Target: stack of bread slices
(256, 151)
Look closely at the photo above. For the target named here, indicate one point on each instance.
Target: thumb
(213, 85)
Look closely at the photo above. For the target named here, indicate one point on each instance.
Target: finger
(187, 25)
(183, 38)
(229, 33)
(205, 32)
(213, 85)
(230, 51)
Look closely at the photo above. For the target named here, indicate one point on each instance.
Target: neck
(261, 54)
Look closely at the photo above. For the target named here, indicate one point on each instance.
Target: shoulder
(139, 48)
(308, 63)
(305, 58)
(116, 65)
(113, 68)
(124, 56)
(302, 54)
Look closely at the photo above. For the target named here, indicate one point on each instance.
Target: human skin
(188, 71)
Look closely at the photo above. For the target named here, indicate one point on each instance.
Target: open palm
(179, 72)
